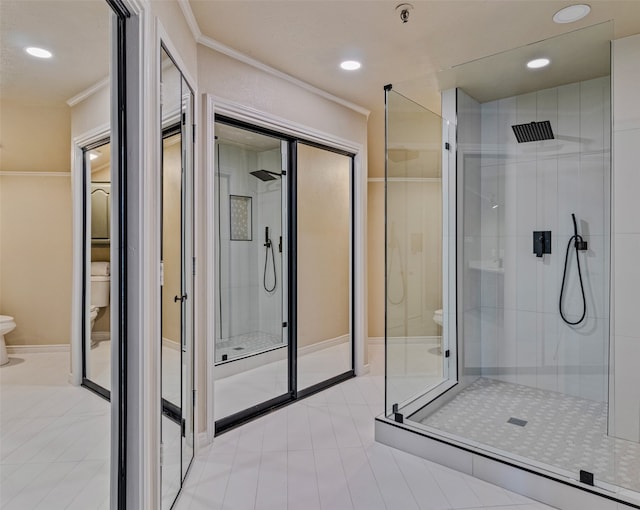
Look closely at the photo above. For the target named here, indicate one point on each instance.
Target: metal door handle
(179, 298)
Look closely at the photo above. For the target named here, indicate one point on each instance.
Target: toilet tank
(100, 290)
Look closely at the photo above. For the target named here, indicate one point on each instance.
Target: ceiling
(76, 32)
(308, 38)
(304, 38)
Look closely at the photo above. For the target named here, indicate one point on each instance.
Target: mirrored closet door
(176, 340)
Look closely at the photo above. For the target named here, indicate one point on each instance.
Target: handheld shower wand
(580, 245)
(268, 244)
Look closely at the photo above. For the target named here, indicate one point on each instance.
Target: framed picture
(240, 215)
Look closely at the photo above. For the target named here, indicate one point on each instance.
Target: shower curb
(560, 492)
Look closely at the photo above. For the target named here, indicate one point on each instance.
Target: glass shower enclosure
(529, 261)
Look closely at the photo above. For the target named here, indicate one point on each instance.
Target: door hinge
(161, 273)
(194, 398)
(447, 146)
(284, 324)
(447, 353)
(161, 454)
(194, 266)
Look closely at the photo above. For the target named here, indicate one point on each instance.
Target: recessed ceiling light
(38, 52)
(350, 65)
(538, 63)
(571, 13)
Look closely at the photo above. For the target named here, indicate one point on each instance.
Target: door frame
(215, 105)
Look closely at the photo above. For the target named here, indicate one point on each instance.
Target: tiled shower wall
(245, 307)
(536, 186)
(625, 388)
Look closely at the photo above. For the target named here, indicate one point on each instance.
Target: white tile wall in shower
(537, 186)
(627, 181)
(625, 419)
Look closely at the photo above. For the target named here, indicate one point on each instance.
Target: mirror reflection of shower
(250, 186)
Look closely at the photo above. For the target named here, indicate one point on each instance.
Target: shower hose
(578, 244)
(269, 247)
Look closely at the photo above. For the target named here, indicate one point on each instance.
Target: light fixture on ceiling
(94, 155)
(571, 13)
(537, 63)
(38, 52)
(350, 65)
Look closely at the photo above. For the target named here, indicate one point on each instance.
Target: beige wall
(171, 238)
(35, 223)
(323, 245)
(375, 249)
(34, 138)
(35, 257)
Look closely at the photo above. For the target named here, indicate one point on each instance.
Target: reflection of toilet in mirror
(100, 282)
(437, 317)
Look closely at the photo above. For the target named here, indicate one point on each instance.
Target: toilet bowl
(7, 324)
(437, 317)
(93, 313)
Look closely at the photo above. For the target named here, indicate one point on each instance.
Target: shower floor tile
(249, 343)
(562, 431)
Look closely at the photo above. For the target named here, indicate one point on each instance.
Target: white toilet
(437, 317)
(7, 324)
(100, 282)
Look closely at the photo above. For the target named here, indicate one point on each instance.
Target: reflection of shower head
(265, 175)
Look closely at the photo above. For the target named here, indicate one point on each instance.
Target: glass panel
(251, 346)
(324, 265)
(98, 340)
(535, 325)
(173, 280)
(415, 308)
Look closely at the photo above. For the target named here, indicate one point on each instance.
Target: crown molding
(246, 59)
(88, 92)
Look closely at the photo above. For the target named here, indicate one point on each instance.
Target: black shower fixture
(533, 132)
(265, 175)
(579, 244)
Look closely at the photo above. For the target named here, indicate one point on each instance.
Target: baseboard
(325, 344)
(409, 340)
(37, 349)
(170, 344)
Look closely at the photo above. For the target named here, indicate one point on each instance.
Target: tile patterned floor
(316, 454)
(54, 438)
(320, 453)
(561, 431)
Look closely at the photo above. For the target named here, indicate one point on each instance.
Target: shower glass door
(420, 308)
(251, 354)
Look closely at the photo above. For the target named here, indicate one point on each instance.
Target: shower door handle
(181, 298)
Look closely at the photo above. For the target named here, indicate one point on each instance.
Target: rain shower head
(265, 175)
(533, 132)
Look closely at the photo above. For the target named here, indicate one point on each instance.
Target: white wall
(626, 239)
(537, 186)
(245, 306)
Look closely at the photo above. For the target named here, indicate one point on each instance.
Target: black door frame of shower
(293, 394)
